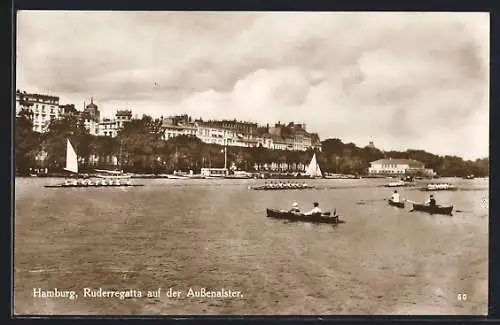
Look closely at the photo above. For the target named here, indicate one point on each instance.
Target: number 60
(462, 296)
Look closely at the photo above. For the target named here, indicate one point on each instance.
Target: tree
(26, 142)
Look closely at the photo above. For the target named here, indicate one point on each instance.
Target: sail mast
(225, 154)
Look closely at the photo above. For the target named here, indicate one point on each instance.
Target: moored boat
(396, 204)
(114, 180)
(325, 217)
(437, 209)
(177, 176)
(397, 184)
(113, 177)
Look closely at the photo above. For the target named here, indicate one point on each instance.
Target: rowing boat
(325, 217)
(283, 187)
(396, 204)
(439, 187)
(437, 209)
(92, 185)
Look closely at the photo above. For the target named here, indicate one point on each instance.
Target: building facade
(174, 126)
(392, 166)
(242, 134)
(91, 117)
(109, 127)
(42, 109)
(238, 127)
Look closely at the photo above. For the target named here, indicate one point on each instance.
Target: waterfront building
(315, 142)
(42, 108)
(174, 126)
(238, 127)
(396, 166)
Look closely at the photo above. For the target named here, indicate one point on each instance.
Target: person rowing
(431, 201)
(395, 197)
(315, 210)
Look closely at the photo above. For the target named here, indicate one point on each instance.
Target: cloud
(401, 79)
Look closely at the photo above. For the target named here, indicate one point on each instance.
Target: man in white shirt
(395, 197)
(315, 210)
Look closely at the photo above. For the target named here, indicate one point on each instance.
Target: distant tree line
(139, 147)
(348, 158)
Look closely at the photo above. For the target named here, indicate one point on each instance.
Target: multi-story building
(174, 126)
(281, 144)
(42, 108)
(315, 142)
(91, 117)
(290, 137)
(123, 116)
(242, 134)
(239, 127)
(214, 135)
(110, 127)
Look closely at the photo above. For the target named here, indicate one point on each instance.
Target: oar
(371, 200)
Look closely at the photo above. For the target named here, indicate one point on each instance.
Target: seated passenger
(315, 210)
(295, 208)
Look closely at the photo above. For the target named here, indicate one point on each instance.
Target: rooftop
(18, 92)
(398, 161)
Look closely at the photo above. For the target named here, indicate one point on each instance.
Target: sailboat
(72, 167)
(71, 158)
(313, 169)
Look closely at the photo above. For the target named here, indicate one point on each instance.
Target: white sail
(71, 158)
(313, 169)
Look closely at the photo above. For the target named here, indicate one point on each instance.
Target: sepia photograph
(251, 163)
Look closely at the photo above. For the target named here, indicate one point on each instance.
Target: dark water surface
(214, 234)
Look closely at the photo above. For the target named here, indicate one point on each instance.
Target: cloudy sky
(403, 80)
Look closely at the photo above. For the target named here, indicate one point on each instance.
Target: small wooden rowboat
(396, 204)
(325, 217)
(437, 209)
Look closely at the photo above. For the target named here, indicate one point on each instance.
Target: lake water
(214, 234)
